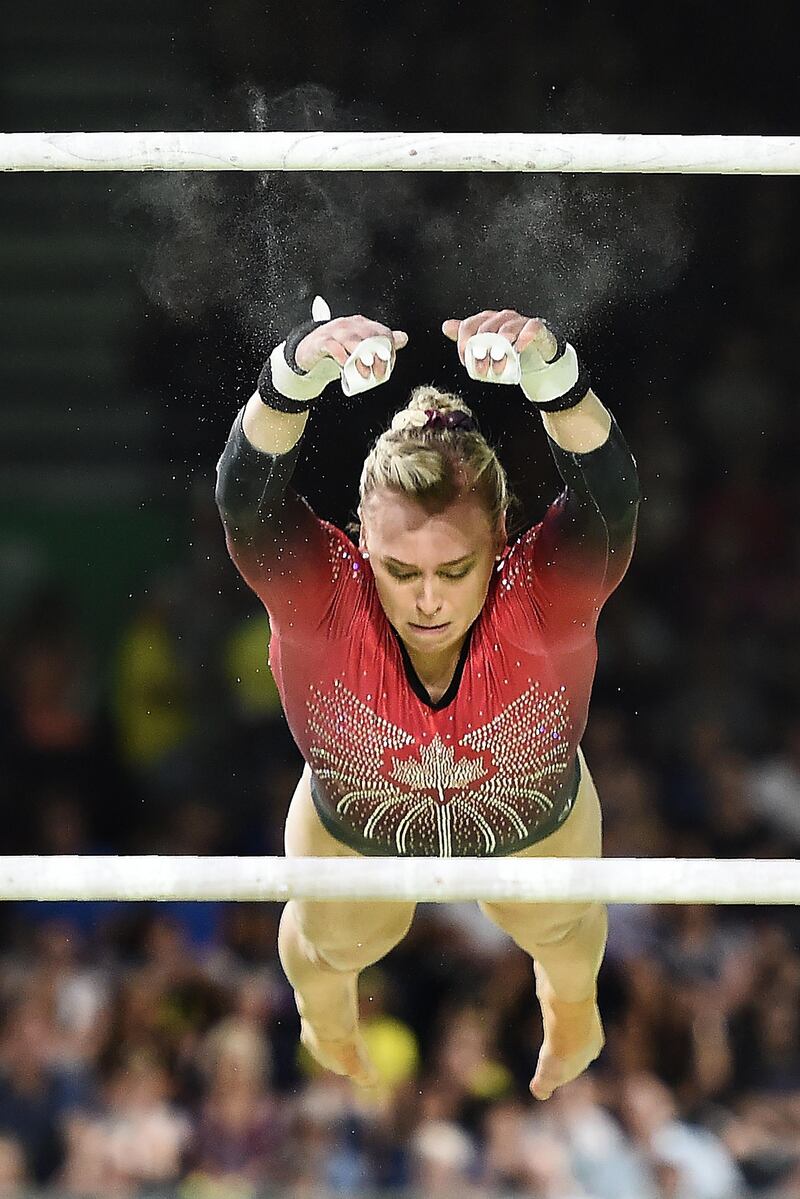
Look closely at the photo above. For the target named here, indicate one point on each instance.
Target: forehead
(399, 527)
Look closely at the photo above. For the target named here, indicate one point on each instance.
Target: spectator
(602, 1158)
(152, 694)
(704, 1167)
(443, 1158)
(136, 1139)
(35, 1096)
(774, 784)
(14, 1177)
(240, 1137)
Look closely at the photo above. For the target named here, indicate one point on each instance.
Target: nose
(429, 602)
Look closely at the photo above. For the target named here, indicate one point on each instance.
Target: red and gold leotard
(492, 767)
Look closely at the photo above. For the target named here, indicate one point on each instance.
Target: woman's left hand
(520, 331)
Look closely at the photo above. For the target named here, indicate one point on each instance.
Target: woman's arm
(280, 547)
(582, 428)
(312, 356)
(270, 431)
(571, 562)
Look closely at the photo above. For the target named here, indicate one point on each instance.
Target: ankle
(567, 1005)
(327, 1033)
(330, 1024)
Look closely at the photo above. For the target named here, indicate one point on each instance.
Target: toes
(540, 1089)
(361, 1069)
(342, 1057)
(366, 1078)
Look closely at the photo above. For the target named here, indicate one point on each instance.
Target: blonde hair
(436, 465)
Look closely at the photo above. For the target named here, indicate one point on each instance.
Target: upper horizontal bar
(634, 153)
(531, 880)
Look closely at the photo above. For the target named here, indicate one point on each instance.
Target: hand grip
(495, 346)
(367, 350)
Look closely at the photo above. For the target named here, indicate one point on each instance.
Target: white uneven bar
(542, 880)
(634, 153)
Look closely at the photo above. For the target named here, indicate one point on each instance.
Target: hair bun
(431, 408)
(408, 418)
(414, 457)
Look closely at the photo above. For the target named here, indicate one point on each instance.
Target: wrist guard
(284, 387)
(556, 385)
(553, 386)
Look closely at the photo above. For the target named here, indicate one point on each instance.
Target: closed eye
(445, 574)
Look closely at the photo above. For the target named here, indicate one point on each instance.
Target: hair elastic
(456, 418)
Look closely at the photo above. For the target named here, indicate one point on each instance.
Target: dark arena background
(152, 1049)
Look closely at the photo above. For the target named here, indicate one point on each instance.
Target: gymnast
(435, 678)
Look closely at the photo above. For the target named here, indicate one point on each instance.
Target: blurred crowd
(153, 1049)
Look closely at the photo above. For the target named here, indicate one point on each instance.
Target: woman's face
(432, 571)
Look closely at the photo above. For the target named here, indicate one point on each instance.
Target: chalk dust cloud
(569, 246)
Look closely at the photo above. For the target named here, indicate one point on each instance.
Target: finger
(385, 358)
(450, 329)
(511, 329)
(367, 328)
(498, 359)
(361, 326)
(375, 329)
(378, 361)
(472, 324)
(335, 350)
(351, 341)
(531, 331)
(482, 361)
(469, 327)
(494, 321)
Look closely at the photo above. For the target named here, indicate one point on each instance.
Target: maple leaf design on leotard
(489, 789)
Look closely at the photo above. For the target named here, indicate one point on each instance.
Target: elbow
(221, 497)
(227, 508)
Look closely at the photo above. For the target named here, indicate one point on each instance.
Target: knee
(534, 925)
(581, 917)
(340, 945)
(354, 949)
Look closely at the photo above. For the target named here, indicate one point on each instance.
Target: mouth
(429, 628)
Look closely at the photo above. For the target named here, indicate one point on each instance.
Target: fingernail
(480, 354)
(367, 357)
(384, 354)
(497, 353)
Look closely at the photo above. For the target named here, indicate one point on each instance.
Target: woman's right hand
(338, 338)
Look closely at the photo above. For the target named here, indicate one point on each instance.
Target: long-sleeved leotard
(492, 767)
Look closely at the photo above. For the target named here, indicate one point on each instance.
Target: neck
(435, 670)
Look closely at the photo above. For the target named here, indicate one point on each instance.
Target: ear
(501, 537)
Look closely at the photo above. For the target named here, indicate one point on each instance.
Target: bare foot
(573, 1037)
(346, 1055)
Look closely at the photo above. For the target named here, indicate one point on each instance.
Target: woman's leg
(323, 946)
(566, 942)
